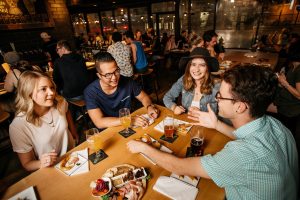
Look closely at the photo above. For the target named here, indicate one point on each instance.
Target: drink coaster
(169, 140)
(126, 135)
(93, 159)
(189, 153)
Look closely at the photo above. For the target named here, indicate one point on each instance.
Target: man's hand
(207, 119)
(153, 112)
(139, 121)
(135, 146)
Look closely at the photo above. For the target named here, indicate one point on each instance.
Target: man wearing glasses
(106, 96)
(262, 160)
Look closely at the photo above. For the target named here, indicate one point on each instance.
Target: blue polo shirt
(111, 104)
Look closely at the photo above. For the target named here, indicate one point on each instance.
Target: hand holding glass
(125, 119)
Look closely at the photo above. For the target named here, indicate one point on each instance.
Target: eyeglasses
(218, 97)
(109, 75)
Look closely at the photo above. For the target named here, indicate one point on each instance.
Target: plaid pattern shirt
(262, 163)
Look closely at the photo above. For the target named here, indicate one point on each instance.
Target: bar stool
(149, 73)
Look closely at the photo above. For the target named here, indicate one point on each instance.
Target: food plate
(118, 170)
(151, 141)
(101, 187)
(25, 194)
(132, 175)
(75, 163)
(178, 126)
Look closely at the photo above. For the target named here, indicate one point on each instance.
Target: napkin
(83, 164)
(160, 127)
(175, 189)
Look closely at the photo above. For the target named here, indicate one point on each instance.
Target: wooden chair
(148, 73)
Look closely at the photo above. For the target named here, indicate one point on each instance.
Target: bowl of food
(101, 187)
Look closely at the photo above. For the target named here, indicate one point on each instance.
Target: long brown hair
(24, 102)
(189, 83)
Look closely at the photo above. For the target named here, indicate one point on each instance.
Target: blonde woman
(196, 87)
(39, 132)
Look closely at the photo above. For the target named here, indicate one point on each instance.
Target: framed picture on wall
(23, 14)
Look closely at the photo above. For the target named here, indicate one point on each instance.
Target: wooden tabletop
(50, 183)
(246, 56)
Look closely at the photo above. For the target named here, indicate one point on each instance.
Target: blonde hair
(24, 103)
(189, 83)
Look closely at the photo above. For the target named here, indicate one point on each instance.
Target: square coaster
(102, 157)
(169, 140)
(126, 135)
(189, 153)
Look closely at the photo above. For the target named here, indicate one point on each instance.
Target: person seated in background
(262, 160)
(70, 73)
(171, 44)
(138, 55)
(106, 96)
(17, 67)
(122, 54)
(287, 101)
(198, 42)
(164, 40)
(138, 35)
(196, 87)
(147, 37)
(49, 45)
(39, 132)
(183, 40)
(210, 43)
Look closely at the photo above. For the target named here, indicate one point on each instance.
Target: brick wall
(28, 39)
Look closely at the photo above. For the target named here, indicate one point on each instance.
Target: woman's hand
(206, 119)
(48, 159)
(178, 110)
(282, 79)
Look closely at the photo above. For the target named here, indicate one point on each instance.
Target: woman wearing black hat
(196, 87)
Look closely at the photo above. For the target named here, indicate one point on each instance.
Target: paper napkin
(175, 189)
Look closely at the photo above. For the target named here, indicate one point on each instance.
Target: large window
(79, 24)
(239, 22)
(121, 17)
(94, 25)
(107, 22)
(139, 19)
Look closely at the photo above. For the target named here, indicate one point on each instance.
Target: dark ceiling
(94, 5)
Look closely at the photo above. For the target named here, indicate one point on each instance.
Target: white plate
(25, 194)
(109, 186)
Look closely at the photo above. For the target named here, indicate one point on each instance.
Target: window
(121, 16)
(94, 25)
(139, 19)
(107, 22)
(79, 24)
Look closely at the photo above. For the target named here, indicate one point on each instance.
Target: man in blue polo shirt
(262, 160)
(106, 96)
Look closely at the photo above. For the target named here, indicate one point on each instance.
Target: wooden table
(53, 184)
(246, 56)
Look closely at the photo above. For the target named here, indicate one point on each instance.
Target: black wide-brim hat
(199, 52)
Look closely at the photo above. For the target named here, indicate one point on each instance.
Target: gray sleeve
(173, 93)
